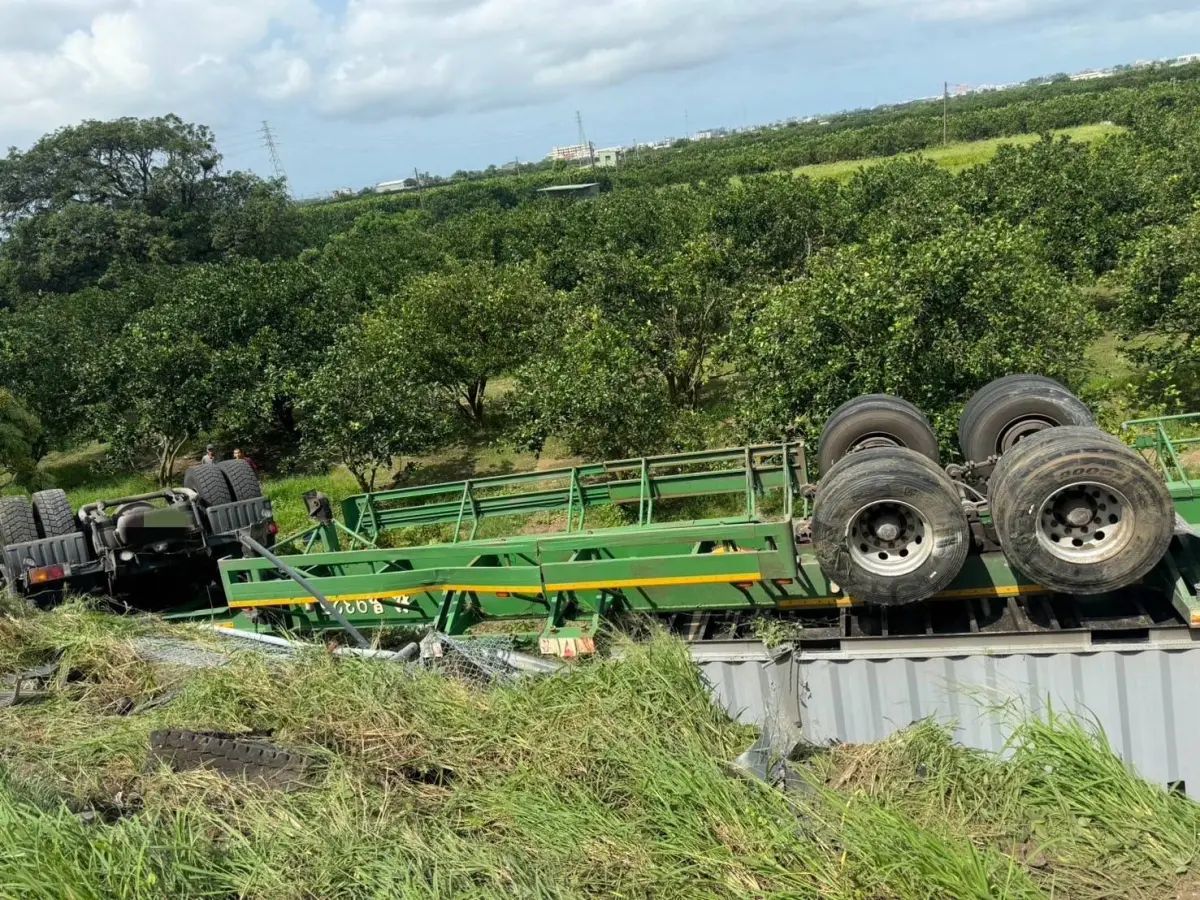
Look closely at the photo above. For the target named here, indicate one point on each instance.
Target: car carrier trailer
(114, 547)
(1051, 525)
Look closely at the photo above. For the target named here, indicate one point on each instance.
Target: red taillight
(273, 528)
(46, 574)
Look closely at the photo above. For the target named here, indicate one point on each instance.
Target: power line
(272, 150)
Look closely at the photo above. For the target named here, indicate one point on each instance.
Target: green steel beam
(750, 471)
(1153, 434)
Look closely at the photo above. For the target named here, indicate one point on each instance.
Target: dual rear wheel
(1073, 508)
(223, 482)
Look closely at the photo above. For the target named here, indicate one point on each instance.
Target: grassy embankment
(610, 781)
(957, 157)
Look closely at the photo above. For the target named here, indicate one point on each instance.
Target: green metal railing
(1154, 436)
(750, 471)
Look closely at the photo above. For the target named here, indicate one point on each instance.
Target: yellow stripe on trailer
(743, 578)
(747, 577)
(842, 602)
(1007, 590)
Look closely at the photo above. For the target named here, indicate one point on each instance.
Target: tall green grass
(610, 780)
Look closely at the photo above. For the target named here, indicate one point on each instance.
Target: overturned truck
(1049, 525)
(159, 548)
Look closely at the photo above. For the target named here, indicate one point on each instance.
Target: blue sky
(361, 91)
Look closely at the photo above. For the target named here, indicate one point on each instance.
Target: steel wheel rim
(877, 439)
(889, 538)
(1020, 429)
(1085, 522)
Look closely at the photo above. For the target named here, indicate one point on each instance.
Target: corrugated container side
(1140, 697)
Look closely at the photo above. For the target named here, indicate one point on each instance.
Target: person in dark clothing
(238, 454)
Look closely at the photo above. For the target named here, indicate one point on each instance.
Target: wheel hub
(877, 440)
(888, 528)
(1079, 516)
(889, 538)
(1017, 431)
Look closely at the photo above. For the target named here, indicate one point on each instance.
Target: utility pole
(272, 150)
(420, 193)
(945, 113)
(687, 126)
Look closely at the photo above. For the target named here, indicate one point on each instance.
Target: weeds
(607, 781)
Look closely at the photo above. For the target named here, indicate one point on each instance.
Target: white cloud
(63, 60)
(125, 57)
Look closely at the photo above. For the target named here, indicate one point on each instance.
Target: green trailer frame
(558, 587)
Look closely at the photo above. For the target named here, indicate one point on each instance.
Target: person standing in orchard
(238, 454)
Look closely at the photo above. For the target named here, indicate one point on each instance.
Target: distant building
(392, 187)
(343, 192)
(1088, 76)
(710, 134)
(609, 157)
(573, 153)
(580, 191)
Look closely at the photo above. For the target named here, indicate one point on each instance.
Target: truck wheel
(242, 480)
(888, 527)
(52, 512)
(874, 420)
(1079, 512)
(208, 481)
(16, 521)
(1010, 409)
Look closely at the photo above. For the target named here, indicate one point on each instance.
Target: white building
(573, 153)
(391, 187)
(609, 157)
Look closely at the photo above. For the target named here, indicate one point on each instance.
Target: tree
(1084, 203)
(1159, 314)
(87, 200)
(466, 325)
(590, 386)
(55, 356)
(375, 256)
(675, 305)
(19, 432)
(363, 407)
(930, 322)
(168, 388)
(262, 329)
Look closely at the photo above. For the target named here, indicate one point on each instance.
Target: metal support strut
(355, 635)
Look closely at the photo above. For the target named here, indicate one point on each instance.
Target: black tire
(209, 482)
(52, 512)
(243, 483)
(16, 521)
(1087, 471)
(931, 547)
(229, 755)
(874, 420)
(1010, 409)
